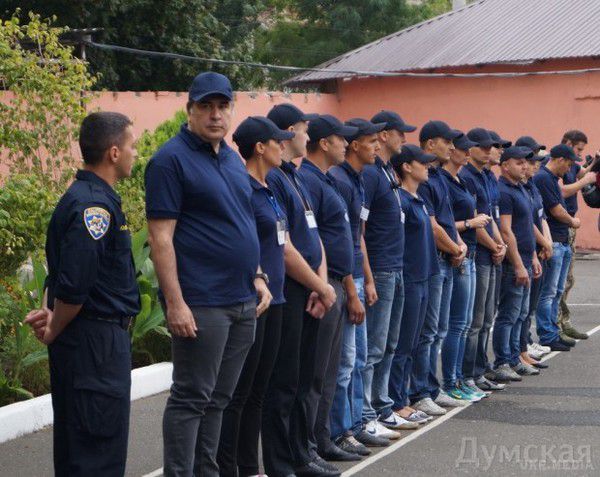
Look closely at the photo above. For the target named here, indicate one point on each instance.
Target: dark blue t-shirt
(463, 206)
(570, 178)
(294, 199)
(215, 239)
(492, 182)
(332, 217)
(537, 204)
(420, 256)
(268, 213)
(351, 186)
(436, 196)
(515, 201)
(476, 184)
(547, 184)
(88, 249)
(384, 230)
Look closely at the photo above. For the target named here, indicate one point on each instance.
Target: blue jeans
(512, 310)
(383, 328)
(534, 297)
(483, 317)
(424, 382)
(461, 315)
(413, 317)
(553, 286)
(348, 377)
(356, 389)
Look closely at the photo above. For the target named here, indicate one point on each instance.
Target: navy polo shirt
(332, 217)
(384, 230)
(463, 206)
(215, 240)
(88, 249)
(267, 213)
(476, 184)
(420, 256)
(291, 194)
(515, 201)
(351, 187)
(492, 182)
(570, 178)
(547, 184)
(537, 204)
(436, 196)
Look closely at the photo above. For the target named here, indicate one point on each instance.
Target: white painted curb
(34, 414)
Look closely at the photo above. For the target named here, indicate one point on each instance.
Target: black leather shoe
(335, 454)
(558, 346)
(313, 470)
(326, 465)
(539, 365)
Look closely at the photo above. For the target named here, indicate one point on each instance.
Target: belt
(335, 276)
(123, 321)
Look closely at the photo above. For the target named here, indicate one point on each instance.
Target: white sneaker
(377, 429)
(539, 349)
(446, 401)
(394, 421)
(534, 353)
(427, 406)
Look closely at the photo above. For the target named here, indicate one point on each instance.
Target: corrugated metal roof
(484, 32)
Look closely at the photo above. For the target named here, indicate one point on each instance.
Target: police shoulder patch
(97, 221)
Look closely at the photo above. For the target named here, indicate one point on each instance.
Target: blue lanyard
(274, 204)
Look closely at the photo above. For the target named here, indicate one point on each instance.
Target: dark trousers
(534, 297)
(205, 372)
(238, 447)
(327, 362)
(90, 377)
(284, 420)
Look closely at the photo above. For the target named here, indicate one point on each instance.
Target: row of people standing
(308, 293)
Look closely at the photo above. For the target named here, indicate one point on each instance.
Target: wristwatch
(263, 276)
(467, 225)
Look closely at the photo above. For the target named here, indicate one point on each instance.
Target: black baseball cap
(528, 141)
(364, 128)
(327, 125)
(286, 115)
(210, 84)
(392, 120)
(464, 143)
(504, 143)
(516, 152)
(433, 129)
(564, 151)
(409, 153)
(482, 137)
(259, 129)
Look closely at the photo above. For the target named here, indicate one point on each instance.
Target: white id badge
(281, 232)
(346, 218)
(540, 213)
(310, 219)
(497, 211)
(402, 216)
(364, 213)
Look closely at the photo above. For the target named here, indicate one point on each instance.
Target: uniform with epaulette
(90, 263)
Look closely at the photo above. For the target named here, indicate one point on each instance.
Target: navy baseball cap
(564, 151)
(327, 125)
(516, 152)
(504, 143)
(482, 137)
(259, 129)
(392, 120)
(433, 129)
(364, 128)
(528, 141)
(463, 143)
(286, 115)
(409, 153)
(210, 84)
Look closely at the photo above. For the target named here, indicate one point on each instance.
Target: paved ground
(546, 425)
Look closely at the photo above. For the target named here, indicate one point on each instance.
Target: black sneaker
(370, 440)
(558, 345)
(350, 444)
(337, 454)
(323, 464)
(313, 470)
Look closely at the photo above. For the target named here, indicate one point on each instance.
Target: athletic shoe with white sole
(377, 429)
(430, 408)
(445, 400)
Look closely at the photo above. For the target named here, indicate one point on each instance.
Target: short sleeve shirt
(492, 182)
(332, 218)
(210, 197)
(515, 201)
(420, 256)
(463, 206)
(88, 248)
(547, 184)
(351, 187)
(384, 229)
(268, 215)
(570, 178)
(436, 196)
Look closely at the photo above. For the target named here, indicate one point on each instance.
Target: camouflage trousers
(564, 314)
